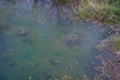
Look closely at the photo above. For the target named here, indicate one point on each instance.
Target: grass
(103, 12)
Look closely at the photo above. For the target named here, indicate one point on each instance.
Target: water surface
(44, 53)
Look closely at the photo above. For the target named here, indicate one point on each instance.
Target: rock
(118, 61)
(22, 32)
(117, 52)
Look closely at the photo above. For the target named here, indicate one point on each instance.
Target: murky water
(34, 43)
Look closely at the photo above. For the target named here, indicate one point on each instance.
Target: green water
(42, 54)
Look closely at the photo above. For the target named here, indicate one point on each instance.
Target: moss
(116, 43)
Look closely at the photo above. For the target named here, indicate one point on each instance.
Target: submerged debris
(27, 41)
(22, 32)
(5, 26)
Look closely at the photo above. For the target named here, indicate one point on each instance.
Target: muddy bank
(110, 55)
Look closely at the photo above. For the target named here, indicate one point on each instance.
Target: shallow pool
(35, 44)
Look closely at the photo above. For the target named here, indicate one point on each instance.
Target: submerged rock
(22, 32)
(12, 64)
(54, 62)
(72, 40)
(27, 41)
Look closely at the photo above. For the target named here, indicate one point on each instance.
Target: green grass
(103, 12)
